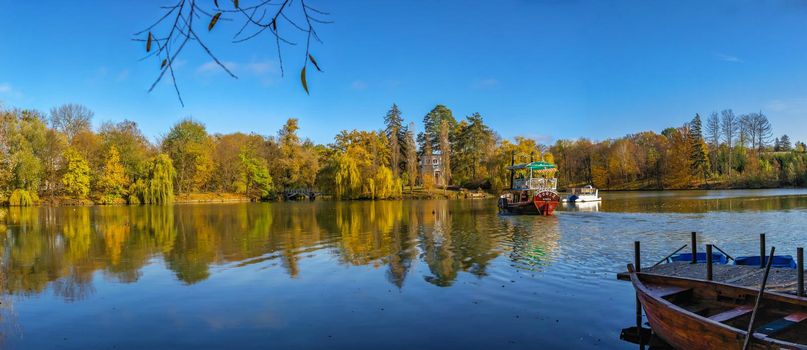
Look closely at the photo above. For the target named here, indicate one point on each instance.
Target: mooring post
(761, 250)
(694, 247)
(637, 257)
(800, 256)
(708, 262)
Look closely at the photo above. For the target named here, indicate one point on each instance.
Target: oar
(750, 333)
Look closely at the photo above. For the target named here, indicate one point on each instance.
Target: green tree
(474, 143)
(411, 157)
(784, 144)
(190, 148)
(134, 149)
(699, 152)
(432, 123)
(76, 178)
(445, 153)
(257, 181)
(396, 135)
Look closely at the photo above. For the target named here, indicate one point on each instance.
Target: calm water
(357, 275)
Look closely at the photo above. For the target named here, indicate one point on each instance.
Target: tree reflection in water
(62, 248)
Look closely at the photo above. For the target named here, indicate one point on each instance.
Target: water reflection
(703, 201)
(63, 248)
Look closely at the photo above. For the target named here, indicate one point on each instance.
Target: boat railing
(539, 183)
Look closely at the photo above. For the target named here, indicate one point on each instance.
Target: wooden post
(708, 262)
(512, 171)
(750, 333)
(637, 264)
(800, 256)
(694, 247)
(761, 250)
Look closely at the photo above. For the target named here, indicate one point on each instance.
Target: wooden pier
(784, 280)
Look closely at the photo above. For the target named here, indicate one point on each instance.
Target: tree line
(59, 157)
(724, 151)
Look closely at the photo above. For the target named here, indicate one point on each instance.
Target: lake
(357, 275)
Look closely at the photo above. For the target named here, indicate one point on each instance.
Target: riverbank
(225, 197)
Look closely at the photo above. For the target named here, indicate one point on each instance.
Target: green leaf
(213, 21)
(311, 58)
(302, 79)
(148, 43)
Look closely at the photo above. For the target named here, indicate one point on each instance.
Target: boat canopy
(535, 166)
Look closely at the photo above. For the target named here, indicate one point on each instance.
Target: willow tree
(157, 187)
(161, 183)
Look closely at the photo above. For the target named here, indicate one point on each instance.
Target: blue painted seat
(717, 258)
(779, 261)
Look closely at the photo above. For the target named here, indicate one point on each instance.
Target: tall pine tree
(396, 136)
(698, 155)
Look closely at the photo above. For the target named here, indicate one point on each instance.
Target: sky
(546, 69)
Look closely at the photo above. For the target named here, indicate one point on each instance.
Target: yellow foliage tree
(113, 182)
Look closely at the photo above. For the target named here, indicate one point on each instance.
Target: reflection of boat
(582, 206)
(697, 314)
(533, 192)
(583, 194)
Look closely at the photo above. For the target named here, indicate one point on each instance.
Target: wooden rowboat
(697, 314)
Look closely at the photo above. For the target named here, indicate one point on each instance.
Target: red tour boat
(533, 191)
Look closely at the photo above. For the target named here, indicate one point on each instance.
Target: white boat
(583, 194)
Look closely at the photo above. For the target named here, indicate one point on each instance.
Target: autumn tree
(113, 182)
(189, 147)
(297, 163)
(134, 149)
(76, 178)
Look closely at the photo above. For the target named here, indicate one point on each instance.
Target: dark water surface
(356, 275)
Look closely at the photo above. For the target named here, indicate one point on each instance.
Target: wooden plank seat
(666, 291)
(781, 324)
(732, 313)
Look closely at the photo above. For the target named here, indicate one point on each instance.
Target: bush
(22, 198)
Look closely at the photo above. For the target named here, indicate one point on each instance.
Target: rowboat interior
(721, 310)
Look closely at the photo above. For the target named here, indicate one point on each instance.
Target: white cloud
(728, 58)
(8, 91)
(252, 68)
(358, 85)
(484, 84)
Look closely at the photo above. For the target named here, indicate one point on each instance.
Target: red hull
(543, 203)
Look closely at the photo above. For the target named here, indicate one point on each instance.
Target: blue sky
(546, 69)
